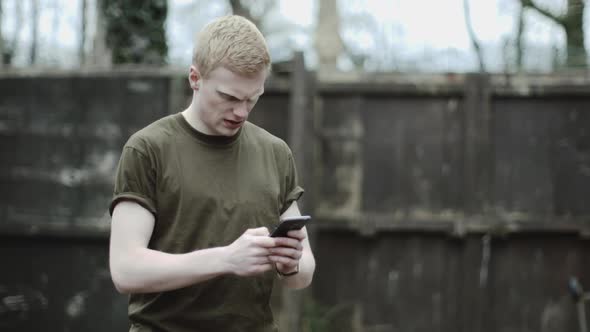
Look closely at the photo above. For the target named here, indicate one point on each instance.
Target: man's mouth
(232, 124)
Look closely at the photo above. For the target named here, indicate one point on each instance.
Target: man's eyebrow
(230, 96)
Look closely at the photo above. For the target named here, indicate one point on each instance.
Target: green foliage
(135, 30)
(6, 51)
(314, 317)
(321, 318)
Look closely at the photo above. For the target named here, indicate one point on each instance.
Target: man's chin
(228, 132)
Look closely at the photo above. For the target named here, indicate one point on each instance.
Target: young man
(195, 195)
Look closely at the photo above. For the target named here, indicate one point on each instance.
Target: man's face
(225, 99)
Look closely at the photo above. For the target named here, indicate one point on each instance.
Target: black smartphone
(289, 224)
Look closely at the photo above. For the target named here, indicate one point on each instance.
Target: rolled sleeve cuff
(145, 202)
(292, 196)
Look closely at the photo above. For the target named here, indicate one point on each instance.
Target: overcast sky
(414, 29)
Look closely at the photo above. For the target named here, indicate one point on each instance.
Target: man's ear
(194, 78)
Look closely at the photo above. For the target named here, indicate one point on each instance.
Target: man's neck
(191, 116)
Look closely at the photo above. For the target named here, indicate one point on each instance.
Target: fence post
(299, 142)
(297, 135)
(478, 149)
(478, 158)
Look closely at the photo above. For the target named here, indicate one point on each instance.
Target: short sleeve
(293, 191)
(135, 180)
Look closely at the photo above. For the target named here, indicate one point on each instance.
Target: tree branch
(531, 4)
(472, 36)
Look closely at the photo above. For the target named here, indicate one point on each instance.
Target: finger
(287, 261)
(262, 231)
(265, 241)
(287, 252)
(261, 252)
(261, 260)
(297, 234)
(288, 242)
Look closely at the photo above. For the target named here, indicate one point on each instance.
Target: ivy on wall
(135, 30)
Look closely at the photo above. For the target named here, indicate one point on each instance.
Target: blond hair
(233, 42)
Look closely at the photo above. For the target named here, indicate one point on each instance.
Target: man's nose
(241, 109)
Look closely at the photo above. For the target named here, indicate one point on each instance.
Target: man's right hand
(248, 254)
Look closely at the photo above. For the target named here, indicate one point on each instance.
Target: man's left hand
(288, 251)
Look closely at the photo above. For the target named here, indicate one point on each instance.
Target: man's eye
(228, 97)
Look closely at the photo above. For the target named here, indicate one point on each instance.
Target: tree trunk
(520, 40)
(1, 39)
(100, 55)
(238, 8)
(83, 23)
(18, 22)
(57, 11)
(244, 9)
(573, 24)
(328, 42)
(34, 31)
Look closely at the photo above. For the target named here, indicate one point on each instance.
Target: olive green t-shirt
(204, 192)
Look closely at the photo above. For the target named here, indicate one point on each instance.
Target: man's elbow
(122, 281)
(122, 287)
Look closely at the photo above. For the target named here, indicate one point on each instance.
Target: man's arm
(138, 269)
(294, 253)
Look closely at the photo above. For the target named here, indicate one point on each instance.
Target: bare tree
(10, 44)
(473, 37)
(83, 24)
(520, 39)
(254, 11)
(572, 21)
(1, 39)
(57, 14)
(10, 51)
(34, 31)
(101, 55)
(328, 42)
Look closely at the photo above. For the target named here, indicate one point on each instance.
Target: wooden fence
(440, 202)
(451, 203)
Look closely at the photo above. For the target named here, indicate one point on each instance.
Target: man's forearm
(305, 275)
(146, 270)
